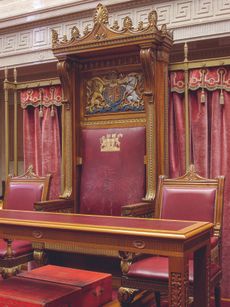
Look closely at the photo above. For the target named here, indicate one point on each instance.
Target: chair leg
(217, 293)
(158, 298)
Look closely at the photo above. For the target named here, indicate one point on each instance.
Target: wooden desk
(175, 239)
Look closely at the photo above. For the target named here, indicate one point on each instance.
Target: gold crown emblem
(111, 142)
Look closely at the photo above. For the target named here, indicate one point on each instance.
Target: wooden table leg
(178, 282)
(201, 277)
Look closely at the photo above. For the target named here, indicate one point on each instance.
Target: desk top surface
(106, 224)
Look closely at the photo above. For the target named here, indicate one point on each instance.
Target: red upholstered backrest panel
(21, 196)
(188, 203)
(111, 179)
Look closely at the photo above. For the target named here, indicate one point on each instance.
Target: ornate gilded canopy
(103, 36)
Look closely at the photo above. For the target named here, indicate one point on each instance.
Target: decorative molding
(30, 42)
(119, 122)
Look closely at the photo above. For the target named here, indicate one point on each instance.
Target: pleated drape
(42, 145)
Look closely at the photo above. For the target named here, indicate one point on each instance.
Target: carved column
(148, 64)
(178, 282)
(64, 70)
(162, 106)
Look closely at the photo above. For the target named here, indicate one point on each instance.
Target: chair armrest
(143, 209)
(59, 205)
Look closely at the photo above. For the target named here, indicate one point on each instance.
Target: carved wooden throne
(115, 88)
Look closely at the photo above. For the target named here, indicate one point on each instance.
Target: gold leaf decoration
(164, 28)
(140, 26)
(64, 39)
(152, 18)
(128, 24)
(54, 36)
(101, 15)
(86, 30)
(75, 33)
(115, 25)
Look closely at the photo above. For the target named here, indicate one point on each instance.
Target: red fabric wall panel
(112, 178)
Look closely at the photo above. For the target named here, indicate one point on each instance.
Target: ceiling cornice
(45, 19)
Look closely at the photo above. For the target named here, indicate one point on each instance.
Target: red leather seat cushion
(22, 196)
(19, 248)
(193, 203)
(111, 179)
(157, 268)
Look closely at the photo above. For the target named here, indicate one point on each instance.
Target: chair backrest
(191, 197)
(113, 169)
(22, 191)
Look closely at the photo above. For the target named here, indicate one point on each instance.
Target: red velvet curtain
(176, 135)
(42, 137)
(209, 104)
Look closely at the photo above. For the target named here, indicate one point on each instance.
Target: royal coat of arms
(115, 93)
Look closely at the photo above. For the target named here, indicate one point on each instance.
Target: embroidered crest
(111, 142)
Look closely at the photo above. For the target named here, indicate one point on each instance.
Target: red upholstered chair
(20, 194)
(190, 197)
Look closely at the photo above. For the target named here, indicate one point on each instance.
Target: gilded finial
(75, 34)
(30, 169)
(6, 74)
(115, 25)
(15, 75)
(152, 18)
(64, 39)
(127, 24)
(54, 37)
(86, 30)
(164, 28)
(140, 26)
(185, 52)
(101, 15)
